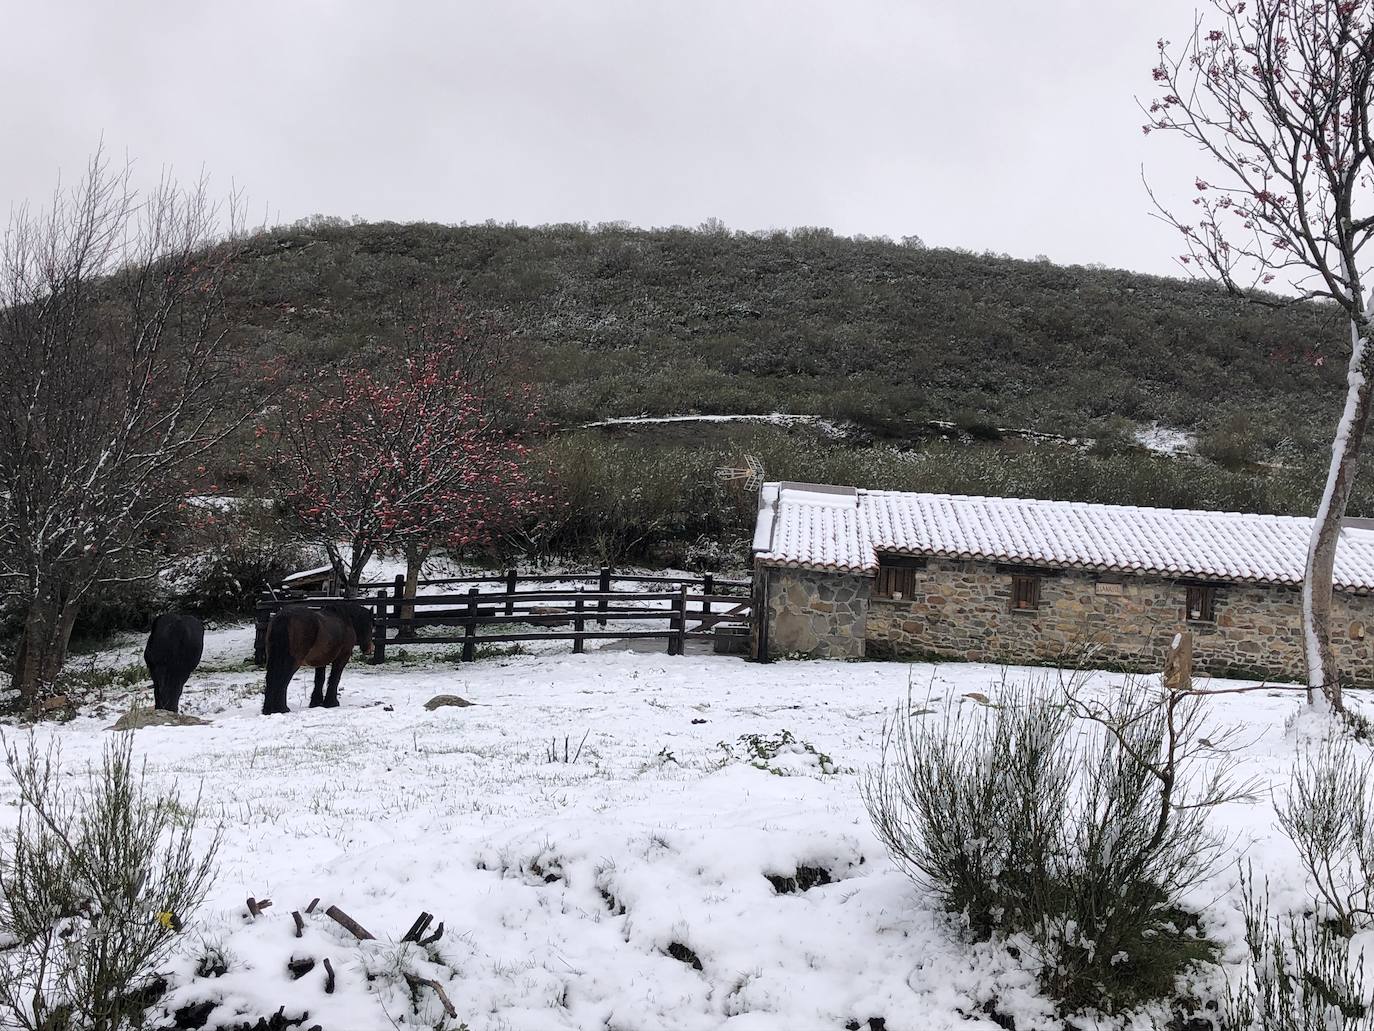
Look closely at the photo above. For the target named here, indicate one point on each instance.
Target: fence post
(511, 579)
(708, 588)
(398, 609)
(1178, 662)
(579, 624)
(261, 617)
(605, 588)
(379, 632)
(470, 629)
(677, 644)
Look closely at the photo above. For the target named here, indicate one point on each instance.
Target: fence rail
(696, 610)
(605, 578)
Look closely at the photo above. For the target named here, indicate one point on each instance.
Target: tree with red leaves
(1277, 93)
(407, 464)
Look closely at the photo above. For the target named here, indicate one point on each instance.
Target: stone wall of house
(816, 614)
(962, 610)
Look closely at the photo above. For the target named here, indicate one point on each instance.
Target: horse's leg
(159, 693)
(274, 699)
(331, 697)
(317, 695)
(172, 692)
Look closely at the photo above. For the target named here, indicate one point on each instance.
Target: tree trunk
(357, 564)
(1323, 676)
(415, 559)
(336, 560)
(42, 650)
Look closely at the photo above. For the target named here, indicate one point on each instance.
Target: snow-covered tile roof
(845, 528)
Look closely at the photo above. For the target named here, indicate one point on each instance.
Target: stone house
(850, 573)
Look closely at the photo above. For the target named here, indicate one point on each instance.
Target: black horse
(172, 654)
(299, 636)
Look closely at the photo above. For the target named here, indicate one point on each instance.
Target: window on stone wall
(1025, 592)
(897, 576)
(1201, 606)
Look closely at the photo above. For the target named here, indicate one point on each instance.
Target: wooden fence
(683, 609)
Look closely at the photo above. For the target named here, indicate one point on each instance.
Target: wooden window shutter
(897, 576)
(1201, 604)
(1025, 592)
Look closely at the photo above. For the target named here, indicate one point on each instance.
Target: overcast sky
(998, 125)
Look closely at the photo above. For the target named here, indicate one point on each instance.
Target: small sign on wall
(1116, 590)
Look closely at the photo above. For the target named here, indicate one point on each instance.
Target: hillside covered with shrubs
(615, 321)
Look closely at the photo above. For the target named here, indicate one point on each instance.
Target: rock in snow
(440, 701)
(140, 716)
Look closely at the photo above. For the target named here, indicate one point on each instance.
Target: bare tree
(1277, 94)
(113, 377)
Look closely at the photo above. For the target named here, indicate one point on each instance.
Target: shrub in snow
(110, 608)
(781, 755)
(95, 886)
(1057, 833)
(1300, 975)
(227, 577)
(1329, 815)
(1307, 970)
(966, 804)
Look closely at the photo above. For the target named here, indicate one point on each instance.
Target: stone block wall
(962, 610)
(816, 614)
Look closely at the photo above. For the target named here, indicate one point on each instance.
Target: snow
(826, 426)
(307, 574)
(809, 530)
(226, 502)
(1165, 440)
(562, 886)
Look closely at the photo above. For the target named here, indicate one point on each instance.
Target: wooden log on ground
(429, 982)
(328, 977)
(349, 924)
(438, 933)
(419, 927)
(300, 923)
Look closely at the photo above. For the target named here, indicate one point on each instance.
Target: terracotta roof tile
(845, 529)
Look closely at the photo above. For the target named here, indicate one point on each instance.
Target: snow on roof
(843, 528)
(308, 574)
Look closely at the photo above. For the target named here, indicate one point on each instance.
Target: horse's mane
(351, 612)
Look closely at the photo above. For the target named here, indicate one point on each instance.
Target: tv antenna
(750, 477)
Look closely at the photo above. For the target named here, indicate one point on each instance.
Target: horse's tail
(280, 664)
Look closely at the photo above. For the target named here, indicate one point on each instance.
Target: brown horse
(299, 636)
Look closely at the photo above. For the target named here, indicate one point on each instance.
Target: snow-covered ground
(827, 427)
(1166, 441)
(577, 894)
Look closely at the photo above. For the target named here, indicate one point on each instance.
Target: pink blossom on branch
(410, 463)
(1277, 94)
